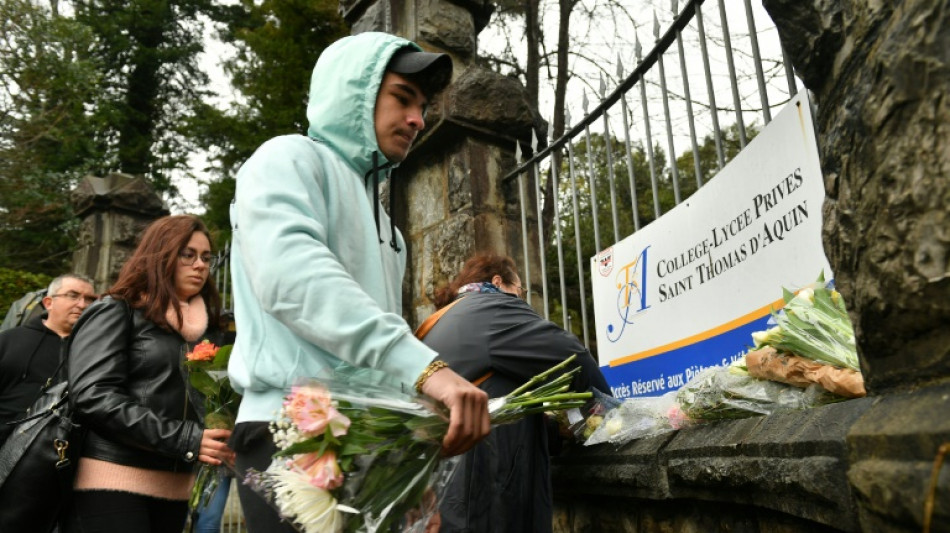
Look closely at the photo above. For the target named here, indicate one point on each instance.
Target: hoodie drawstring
(392, 216)
(374, 174)
(376, 194)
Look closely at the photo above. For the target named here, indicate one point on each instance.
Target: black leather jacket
(127, 387)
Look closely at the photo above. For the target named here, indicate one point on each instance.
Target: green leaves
(815, 324)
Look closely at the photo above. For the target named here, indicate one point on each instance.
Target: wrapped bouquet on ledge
(811, 341)
(361, 458)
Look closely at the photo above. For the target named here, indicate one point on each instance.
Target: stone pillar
(880, 72)
(451, 201)
(113, 212)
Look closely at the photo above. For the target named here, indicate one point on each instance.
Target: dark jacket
(128, 388)
(29, 355)
(503, 484)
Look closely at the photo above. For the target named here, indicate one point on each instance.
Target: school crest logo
(605, 261)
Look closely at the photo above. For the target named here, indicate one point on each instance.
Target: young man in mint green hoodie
(317, 264)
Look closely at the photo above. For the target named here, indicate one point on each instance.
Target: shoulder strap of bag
(52, 378)
(428, 323)
(423, 330)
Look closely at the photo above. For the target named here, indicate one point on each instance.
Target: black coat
(29, 354)
(128, 388)
(503, 483)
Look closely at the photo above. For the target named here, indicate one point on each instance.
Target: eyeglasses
(188, 257)
(74, 296)
(523, 291)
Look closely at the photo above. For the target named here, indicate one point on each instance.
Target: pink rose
(322, 472)
(311, 410)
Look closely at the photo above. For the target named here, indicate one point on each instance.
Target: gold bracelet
(433, 367)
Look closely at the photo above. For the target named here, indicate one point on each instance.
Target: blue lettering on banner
(659, 374)
(631, 292)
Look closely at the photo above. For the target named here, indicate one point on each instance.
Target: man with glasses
(29, 354)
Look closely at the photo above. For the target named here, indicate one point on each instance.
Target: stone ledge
(859, 465)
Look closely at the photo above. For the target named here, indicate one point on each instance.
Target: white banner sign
(685, 292)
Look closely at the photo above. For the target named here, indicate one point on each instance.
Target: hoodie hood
(343, 90)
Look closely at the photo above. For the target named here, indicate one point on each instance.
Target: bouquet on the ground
(361, 458)
(207, 367)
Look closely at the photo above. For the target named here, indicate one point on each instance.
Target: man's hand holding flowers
(468, 410)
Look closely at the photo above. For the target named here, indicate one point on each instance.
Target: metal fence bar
(524, 222)
(555, 161)
(757, 60)
(727, 40)
(577, 242)
(630, 170)
(789, 74)
(674, 173)
(591, 178)
(541, 246)
(608, 147)
(649, 138)
(713, 110)
(222, 273)
(697, 168)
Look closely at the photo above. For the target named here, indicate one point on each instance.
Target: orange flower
(204, 351)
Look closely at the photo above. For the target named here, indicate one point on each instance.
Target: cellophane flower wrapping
(726, 392)
(582, 422)
(207, 370)
(636, 418)
(358, 457)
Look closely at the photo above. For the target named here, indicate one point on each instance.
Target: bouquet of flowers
(360, 458)
(636, 418)
(815, 325)
(207, 367)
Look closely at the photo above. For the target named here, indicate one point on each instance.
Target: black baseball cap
(432, 71)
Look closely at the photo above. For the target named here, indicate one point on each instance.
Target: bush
(16, 283)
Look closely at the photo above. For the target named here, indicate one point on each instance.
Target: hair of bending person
(478, 268)
(147, 279)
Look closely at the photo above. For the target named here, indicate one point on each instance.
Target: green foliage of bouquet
(207, 367)
(814, 324)
(359, 458)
